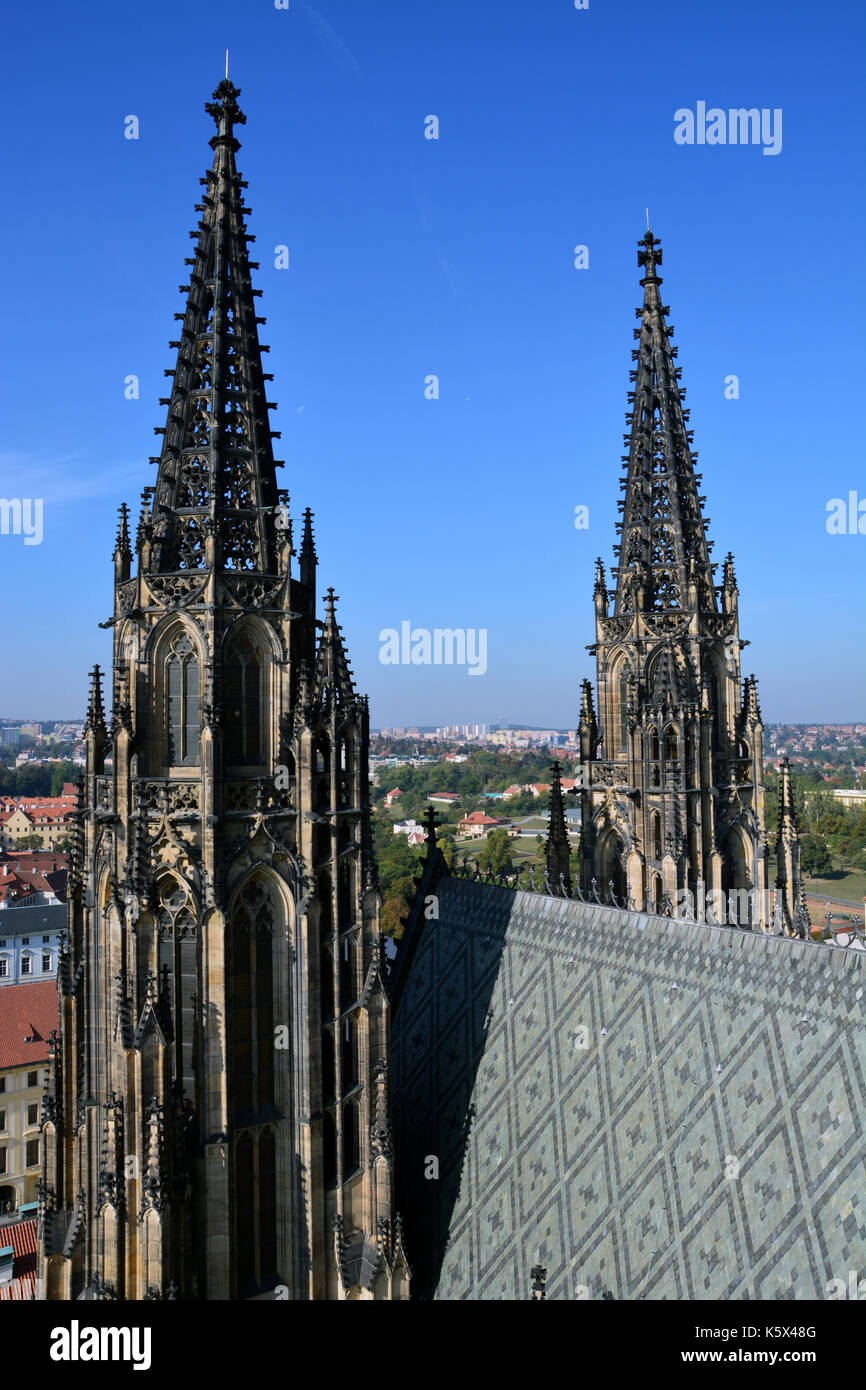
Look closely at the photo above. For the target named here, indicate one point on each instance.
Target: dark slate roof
(40, 920)
(644, 1107)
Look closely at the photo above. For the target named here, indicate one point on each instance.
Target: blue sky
(453, 257)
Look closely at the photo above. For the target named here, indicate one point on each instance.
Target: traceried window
(251, 1060)
(620, 708)
(656, 824)
(182, 698)
(243, 706)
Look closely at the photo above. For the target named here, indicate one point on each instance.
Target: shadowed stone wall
(645, 1107)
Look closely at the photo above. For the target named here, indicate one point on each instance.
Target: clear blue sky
(454, 257)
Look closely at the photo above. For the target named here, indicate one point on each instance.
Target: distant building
(447, 798)
(10, 735)
(407, 827)
(28, 1015)
(30, 944)
(851, 797)
(393, 796)
(49, 817)
(477, 824)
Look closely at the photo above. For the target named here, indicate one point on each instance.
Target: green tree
(446, 845)
(495, 855)
(396, 861)
(815, 857)
(391, 918)
(29, 842)
(33, 781)
(61, 773)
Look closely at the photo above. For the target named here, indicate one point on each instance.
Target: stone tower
(217, 1119)
(672, 765)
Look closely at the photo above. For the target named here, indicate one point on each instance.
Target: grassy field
(847, 884)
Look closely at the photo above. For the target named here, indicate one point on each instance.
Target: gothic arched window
(349, 1053)
(656, 835)
(182, 701)
(251, 1051)
(243, 702)
(670, 745)
(351, 1144)
(619, 721)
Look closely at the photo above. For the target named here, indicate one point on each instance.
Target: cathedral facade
(217, 1119)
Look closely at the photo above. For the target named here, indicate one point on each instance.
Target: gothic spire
(333, 674)
(664, 565)
(308, 542)
(789, 883)
(216, 495)
(95, 722)
(122, 548)
(558, 849)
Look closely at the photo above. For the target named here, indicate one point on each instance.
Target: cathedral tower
(217, 1119)
(672, 764)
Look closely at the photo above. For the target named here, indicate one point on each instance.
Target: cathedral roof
(582, 1073)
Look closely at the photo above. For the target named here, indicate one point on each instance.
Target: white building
(30, 943)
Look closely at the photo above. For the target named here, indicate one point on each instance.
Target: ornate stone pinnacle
(224, 104)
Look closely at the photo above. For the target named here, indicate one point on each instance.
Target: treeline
(832, 836)
(482, 772)
(29, 780)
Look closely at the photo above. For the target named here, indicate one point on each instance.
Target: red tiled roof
(26, 1011)
(14, 888)
(45, 859)
(21, 1235)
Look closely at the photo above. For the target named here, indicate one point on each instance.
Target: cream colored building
(28, 1013)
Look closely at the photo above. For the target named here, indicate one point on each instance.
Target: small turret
(789, 884)
(600, 590)
(122, 547)
(558, 849)
(730, 591)
(588, 725)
